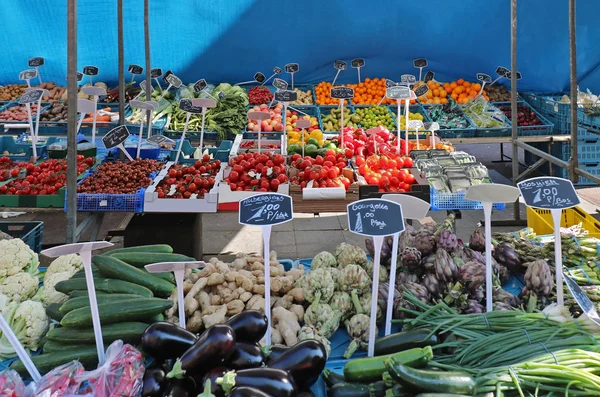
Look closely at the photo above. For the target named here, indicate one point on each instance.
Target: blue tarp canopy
(230, 40)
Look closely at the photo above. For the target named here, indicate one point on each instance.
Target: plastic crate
(456, 201)
(145, 153)
(492, 132)
(20, 151)
(450, 133)
(541, 220)
(536, 99)
(158, 128)
(219, 153)
(584, 132)
(545, 128)
(587, 121)
(30, 232)
(11, 104)
(562, 123)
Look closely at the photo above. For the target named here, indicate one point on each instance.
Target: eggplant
(212, 376)
(181, 388)
(246, 392)
(246, 355)
(272, 381)
(249, 326)
(165, 340)
(306, 393)
(304, 361)
(154, 382)
(211, 350)
(272, 352)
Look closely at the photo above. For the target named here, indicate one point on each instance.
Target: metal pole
(573, 161)
(121, 51)
(147, 44)
(71, 120)
(514, 111)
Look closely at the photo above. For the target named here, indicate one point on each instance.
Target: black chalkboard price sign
(428, 76)
(502, 71)
(339, 65)
(420, 63)
(186, 106)
(35, 62)
(509, 75)
(357, 62)
(547, 192)
(397, 92)
(155, 73)
(167, 74)
(79, 76)
(277, 70)
(157, 139)
(421, 90)
(174, 80)
(342, 93)
(115, 137)
(31, 96)
(200, 85)
(375, 217)
(28, 74)
(280, 84)
(285, 96)
(266, 209)
(221, 95)
(259, 77)
(408, 79)
(484, 78)
(90, 70)
(135, 69)
(292, 67)
(389, 83)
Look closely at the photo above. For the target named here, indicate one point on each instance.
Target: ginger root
(287, 324)
(217, 317)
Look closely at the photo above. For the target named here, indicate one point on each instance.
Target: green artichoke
(324, 319)
(308, 332)
(318, 287)
(358, 329)
(384, 275)
(342, 303)
(354, 278)
(347, 254)
(365, 303)
(323, 259)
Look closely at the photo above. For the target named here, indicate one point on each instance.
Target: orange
(460, 81)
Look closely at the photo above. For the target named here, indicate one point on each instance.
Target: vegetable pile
(498, 93)
(389, 172)
(328, 171)
(484, 114)
(120, 177)
(259, 95)
(331, 119)
(56, 112)
(304, 97)
(189, 182)
(448, 116)
(18, 113)
(262, 172)
(11, 92)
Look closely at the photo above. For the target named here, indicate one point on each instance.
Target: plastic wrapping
(11, 384)
(120, 376)
(61, 381)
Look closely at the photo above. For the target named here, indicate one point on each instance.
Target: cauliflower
(19, 287)
(71, 263)
(48, 294)
(28, 321)
(16, 257)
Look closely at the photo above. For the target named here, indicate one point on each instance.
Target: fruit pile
(369, 92)
(526, 115)
(381, 141)
(259, 94)
(437, 94)
(498, 93)
(45, 178)
(411, 116)
(462, 91)
(264, 145)
(292, 116)
(389, 172)
(262, 172)
(322, 91)
(374, 116)
(120, 177)
(268, 125)
(332, 119)
(325, 171)
(304, 97)
(183, 182)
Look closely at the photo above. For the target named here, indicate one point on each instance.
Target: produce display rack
(541, 221)
(545, 128)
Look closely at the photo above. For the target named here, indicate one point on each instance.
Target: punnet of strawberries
(262, 172)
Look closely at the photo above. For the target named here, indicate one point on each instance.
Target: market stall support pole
(71, 121)
(513, 101)
(573, 161)
(121, 62)
(148, 76)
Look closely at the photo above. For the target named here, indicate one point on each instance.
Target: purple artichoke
(477, 240)
(501, 306)
(472, 275)
(386, 249)
(428, 263)
(500, 295)
(506, 255)
(411, 259)
(477, 294)
(424, 242)
(432, 284)
(445, 268)
(447, 240)
(473, 307)
(403, 277)
(382, 296)
(504, 274)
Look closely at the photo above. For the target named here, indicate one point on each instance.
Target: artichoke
(308, 332)
(333, 272)
(506, 255)
(323, 259)
(410, 258)
(477, 294)
(365, 303)
(472, 255)
(428, 263)
(386, 249)
(503, 274)
(424, 242)
(500, 295)
(318, 287)
(406, 238)
(538, 284)
(445, 268)
(401, 303)
(358, 329)
(341, 302)
(347, 254)
(383, 293)
(477, 240)
(447, 240)
(473, 307)
(403, 277)
(501, 306)
(432, 284)
(472, 275)
(419, 291)
(324, 319)
(354, 278)
(384, 274)
(456, 295)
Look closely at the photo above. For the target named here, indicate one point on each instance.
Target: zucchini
(114, 312)
(47, 362)
(79, 293)
(115, 268)
(103, 284)
(82, 301)
(371, 369)
(141, 259)
(441, 395)
(53, 310)
(81, 273)
(161, 248)
(128, 332)
(432, 381)
(344, 389)
(332, 378)
(52, 346)
(404, 340)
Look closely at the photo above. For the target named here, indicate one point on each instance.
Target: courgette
(128, 332)
(141, 259)
(47, 362)
(81, 273)
(103, 284)
(114, 312)
(82, 301)
(403, 341)
(52, 346)
(432, 381)
(53, 310)
(441, 395)
(344, 389)
(371, 369)
(332, 378)
(79, 293)
(161, 248)
(115, 268)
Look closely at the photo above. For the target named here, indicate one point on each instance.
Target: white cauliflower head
(71, 263)
(48, 293)
(19, 287)
(16, 257)
(29, 322)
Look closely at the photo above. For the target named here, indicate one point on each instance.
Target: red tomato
(282, 178)
(408, 162)
(265, 185)
(274, 184)
(410, 179)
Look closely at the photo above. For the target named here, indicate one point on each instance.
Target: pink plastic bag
(11, 384)
(120, 376)
(61, 381)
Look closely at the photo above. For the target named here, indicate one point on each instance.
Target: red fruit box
(269, 143)
(207, 204)
(325, 193)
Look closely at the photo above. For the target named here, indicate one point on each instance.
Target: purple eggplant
(180, 388)
(164, 340)
(246, 355)
(247, 392)
(273, 352)
(304, 361)
(211, 350)
(154, 382)
(212, 376)
(274, 382)
(249, 326)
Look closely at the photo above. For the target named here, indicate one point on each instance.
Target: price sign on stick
(79, 76)
(164, 76)
(203, 104)
(485, 79)
(415, 125)
(144, 105)
(502, 72)
(157, 139)
(582, 299)
(408, 79)
(276, 70)
(20, 350)
(421, 90)
(28, 75)
(266, 210)
(90, 71)
(376, 218)
(95, 92)
(554, 194)
(280, 84)
(433, 127)
(285, 97)
(358, 63)
(509, 75)
(413, 208)
(172, 80)
(341, 93)
(428, 76)
(339, 66)
(188, 107)
(85, 252)
(135, 69)
(200, 85)
(399, 93)
(259, 77)
(303, 125)
(488, 194)
(143, 87)
(36, 63)
(32, 96)
(115, 138)
(420, 63)
(178, 269)
(390, 83)
(155, 74)
(292, 68)
(259, 116)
